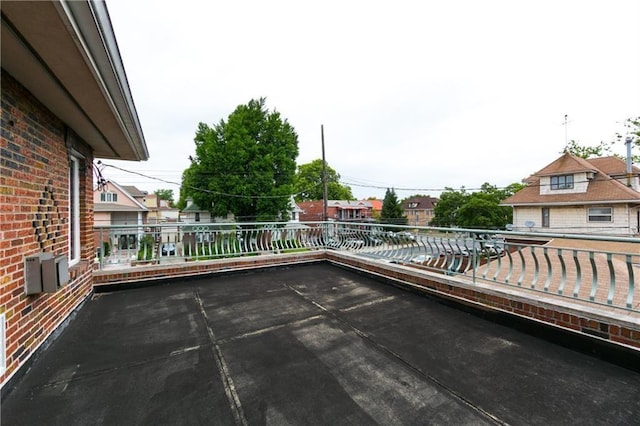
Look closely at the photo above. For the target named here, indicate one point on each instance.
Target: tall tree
(446, 210)
(165, 194)
(632, 132)
(308, 183)
(392, 212)
(244, 166)
(584, 151)
(480, 209)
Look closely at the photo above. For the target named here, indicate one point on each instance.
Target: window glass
(600, 214)
(562, 182)
(545, 217)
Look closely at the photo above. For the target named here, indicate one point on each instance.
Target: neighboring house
(574, 195)
(160, 211)
(294, 211)
(376, 208)
(338, 210)
(192, 213)
(419, 210)
(117, 205)
(65, 100)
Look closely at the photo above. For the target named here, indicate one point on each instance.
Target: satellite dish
(509, 227)
(529, 224)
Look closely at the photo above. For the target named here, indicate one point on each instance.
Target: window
(74, 211)
(600, 214)
(413, 205)
(545, 217)
(109, 197)
(562, 182)
(197, 216)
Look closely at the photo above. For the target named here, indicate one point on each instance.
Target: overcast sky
(412, 94)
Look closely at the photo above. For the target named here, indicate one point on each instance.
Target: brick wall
(34, 218)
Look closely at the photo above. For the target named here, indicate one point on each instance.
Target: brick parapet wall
(139, 274)
(618, 329)
(34, 218)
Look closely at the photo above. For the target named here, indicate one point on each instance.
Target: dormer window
(413, 205)
(108, 197)
(562, 182)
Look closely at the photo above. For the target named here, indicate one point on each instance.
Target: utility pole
(324, 178)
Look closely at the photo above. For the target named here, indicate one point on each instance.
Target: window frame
(108, 197)
(74, 211)
(591, 215)
(546, 217)
(559, 182)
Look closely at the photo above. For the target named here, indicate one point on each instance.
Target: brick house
(419, 210)
(65, 100)
(574, 195)
(338, 210)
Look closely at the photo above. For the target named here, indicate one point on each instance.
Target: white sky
(412, 94)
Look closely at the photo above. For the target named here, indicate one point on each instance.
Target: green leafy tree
(633, 132)
(446, 210)
(632, 126)
(479, 209)
(245, 166)
(582, 151)
(165, 194)
(392, 212)
(308, 183)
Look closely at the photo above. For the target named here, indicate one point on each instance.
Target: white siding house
(578, 196)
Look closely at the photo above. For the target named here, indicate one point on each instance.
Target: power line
(208, 191)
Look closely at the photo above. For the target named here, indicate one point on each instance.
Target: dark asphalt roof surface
(309, 344)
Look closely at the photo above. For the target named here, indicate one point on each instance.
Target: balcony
(331, 323)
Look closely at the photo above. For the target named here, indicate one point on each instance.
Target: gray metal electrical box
(62, 266)
(33, 272)
(49, 275)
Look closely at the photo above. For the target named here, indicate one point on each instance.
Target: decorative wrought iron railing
(595, 269)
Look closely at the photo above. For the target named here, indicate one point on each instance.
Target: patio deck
(307, 344)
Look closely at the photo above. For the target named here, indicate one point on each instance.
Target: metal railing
(596, 269)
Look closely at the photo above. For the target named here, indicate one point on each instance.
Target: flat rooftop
(307, 344)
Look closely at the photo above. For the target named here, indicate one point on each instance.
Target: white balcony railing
(595, 269)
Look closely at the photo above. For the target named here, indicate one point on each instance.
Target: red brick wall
(34, 218)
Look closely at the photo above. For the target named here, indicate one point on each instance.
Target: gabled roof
(613, 166)
(565, 165)
(602, 188)
(119, 206)
(376, 205)
(424, 203)
(134, 191)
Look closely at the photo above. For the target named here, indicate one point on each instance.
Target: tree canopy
(308, 183)
(632, 132)
(480, 209)
(165, 194)
(245, 166)
(392, 212)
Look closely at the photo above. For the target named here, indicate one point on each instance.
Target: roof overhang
(573, 203)
(65, 53)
